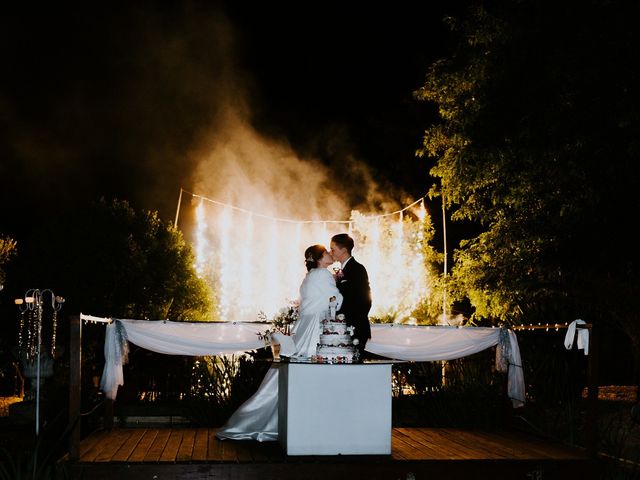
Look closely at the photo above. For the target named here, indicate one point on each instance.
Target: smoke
(137, 101)
(109, 103)
(239, 165)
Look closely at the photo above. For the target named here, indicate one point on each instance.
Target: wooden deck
(188, 453)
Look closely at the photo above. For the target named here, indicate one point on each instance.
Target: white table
(335, 409)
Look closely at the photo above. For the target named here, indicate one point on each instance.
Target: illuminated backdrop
(255, 262)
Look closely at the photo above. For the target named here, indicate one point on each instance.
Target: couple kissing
(351, 281)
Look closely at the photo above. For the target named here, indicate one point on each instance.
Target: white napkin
(583, 336)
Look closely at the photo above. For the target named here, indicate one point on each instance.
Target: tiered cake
(336, 342)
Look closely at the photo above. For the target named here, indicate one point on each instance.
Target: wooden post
(75, 366)
(591, 427)
(507, 404)
(108, 414)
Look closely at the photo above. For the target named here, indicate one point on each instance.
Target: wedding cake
(336, 342)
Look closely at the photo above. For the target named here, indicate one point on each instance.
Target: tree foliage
(109, 260)
(537, 143)
(7, 251)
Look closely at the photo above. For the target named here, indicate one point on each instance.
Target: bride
(257, 418)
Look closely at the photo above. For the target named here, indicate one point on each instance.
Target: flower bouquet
(281, 321)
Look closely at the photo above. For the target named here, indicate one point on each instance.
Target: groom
(353, 283)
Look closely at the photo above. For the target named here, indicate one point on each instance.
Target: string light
(421, 213)
(540, 326)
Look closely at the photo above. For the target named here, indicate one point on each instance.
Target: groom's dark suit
(354, 287)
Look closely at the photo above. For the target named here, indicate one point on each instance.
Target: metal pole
(75, 372)
(444, 239)
(175, 223)
(444, 284)
(38, 300)
(591, 426)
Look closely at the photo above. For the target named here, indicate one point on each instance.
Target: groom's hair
(344, 241)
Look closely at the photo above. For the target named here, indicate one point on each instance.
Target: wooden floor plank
(112, 444)
(186, 445)
(273, 451)
(425, 449)
(258, 452)
(545, 449)
(244, 451)
(472, 446)
(434, 442)
(495, 443)
(143, 445)
(170, 451)
(157, 447)
(185, 452)
(214, 447)
(468, 450)
(402, 448)
(128, 447)
(511, 448)
(229, 450)
(200, 445)
(90, 446)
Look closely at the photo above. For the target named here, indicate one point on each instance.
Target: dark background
(105, 100)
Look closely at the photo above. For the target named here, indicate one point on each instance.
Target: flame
(256, 263)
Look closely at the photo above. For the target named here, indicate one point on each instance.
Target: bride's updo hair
(312, 256)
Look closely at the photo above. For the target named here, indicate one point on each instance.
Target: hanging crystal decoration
(54, 325)
(31, 335)
(30, 340)
(21, 329)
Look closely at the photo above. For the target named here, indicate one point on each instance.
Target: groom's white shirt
(345, 262)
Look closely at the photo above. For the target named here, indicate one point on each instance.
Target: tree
(537, 143)
(7, 251)
(109, 260)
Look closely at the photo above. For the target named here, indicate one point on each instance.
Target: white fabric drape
(174, 338)
(515, 373)
(401, 342)
(112, 375)
(418, 343)
(202, 338)
(583, 336)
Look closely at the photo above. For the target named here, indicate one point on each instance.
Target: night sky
(109, 101)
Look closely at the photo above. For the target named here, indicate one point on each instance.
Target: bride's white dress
(257, 418)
